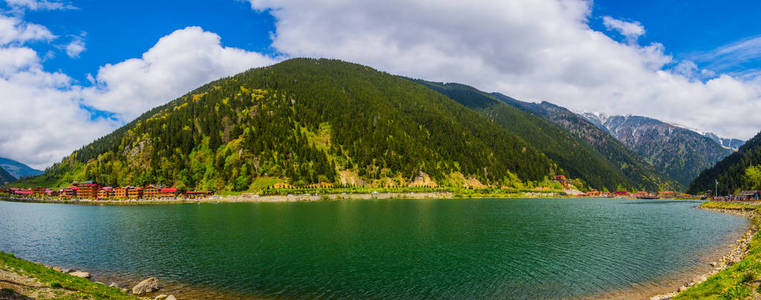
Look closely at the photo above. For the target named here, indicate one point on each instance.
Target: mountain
(5, 177)
(633, 167)
(18, 169)
(734, 172)
(570, 151)
(727, 143)
(681, 153)
(305, 121)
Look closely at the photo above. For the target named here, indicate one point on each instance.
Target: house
(151, 192)
(120, 192)
(320, 185)
(69, 192)
(593, 193)
(105, 193)
(52, 193)
(620, 193)
(748, 195)
(562, 180)
(135, 193)
(38, 191)
(167, 193)
(88, 191)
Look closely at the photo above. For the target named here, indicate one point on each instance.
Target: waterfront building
(135, 193)
(38, 191)
(88, 191)
(120, 192)
(69, 192)
(105, 193)
(198, 194)
(151, 192)
(167, 193)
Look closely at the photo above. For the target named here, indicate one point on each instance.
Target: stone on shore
(171, 297)
(114, 284)
(80, 274)
(160, 297)
(149, 285)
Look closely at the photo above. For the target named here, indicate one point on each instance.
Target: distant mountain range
(729, 143)
(17, 169)
(592, 159)
(679, 152)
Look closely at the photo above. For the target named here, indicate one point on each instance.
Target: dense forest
(739, 171)
(306, 121)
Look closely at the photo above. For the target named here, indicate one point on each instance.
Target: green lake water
(399, 249)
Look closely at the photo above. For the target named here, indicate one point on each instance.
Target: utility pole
(716, 190)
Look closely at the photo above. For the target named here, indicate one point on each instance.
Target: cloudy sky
(71, 71)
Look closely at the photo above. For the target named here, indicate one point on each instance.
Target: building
(105, 193)
(38, 191)
(151, 192)
(167, 193)
(620, 193)
(52, 193)
(135, 193)
(282, 185)
(120, 193)
(748, 195)
(69, 192)
(562, 180)
(88, 191)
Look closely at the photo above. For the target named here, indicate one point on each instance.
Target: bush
(736, 292)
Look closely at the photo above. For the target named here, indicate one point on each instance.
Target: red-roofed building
(167, 193)
(88, 191)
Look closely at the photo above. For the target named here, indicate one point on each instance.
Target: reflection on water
(474, 248)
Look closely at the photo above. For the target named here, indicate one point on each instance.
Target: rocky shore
(736, 254)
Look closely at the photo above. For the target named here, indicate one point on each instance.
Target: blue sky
(74, 70)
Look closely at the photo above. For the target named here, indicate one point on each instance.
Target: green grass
(734, 282)
(81, 288)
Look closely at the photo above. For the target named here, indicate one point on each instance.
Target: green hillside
(305, 121)
(739, 171)
(571, 152)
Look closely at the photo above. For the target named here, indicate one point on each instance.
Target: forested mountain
(5, 177)
(633, 167)
(17, 169)
(306, 121)
(681, 153)
(568, 148)
(739, 171)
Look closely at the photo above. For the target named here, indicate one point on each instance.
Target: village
(91, 190)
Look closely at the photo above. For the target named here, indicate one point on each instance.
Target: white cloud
(178, 63)
(38, 4)
(43, 114)
(76, 47)
(530, 49)
(13, 30)
(630, 30)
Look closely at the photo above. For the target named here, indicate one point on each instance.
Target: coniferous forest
(307, 121)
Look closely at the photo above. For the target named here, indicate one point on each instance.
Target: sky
(72, 71)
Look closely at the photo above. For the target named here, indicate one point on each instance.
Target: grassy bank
(21, 277)
(738, 281)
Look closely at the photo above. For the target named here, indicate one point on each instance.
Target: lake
(446, 248)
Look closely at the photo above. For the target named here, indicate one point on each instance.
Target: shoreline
(255, 198)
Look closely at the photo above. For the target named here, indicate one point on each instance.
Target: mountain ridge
(18, 169)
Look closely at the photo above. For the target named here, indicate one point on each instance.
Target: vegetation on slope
(571, 154)
(680, 153)
(639, 173)
(305, 121)
(734, 173)
(61, 285)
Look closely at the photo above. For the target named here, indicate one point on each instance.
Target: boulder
(65, 270)
(149, 285)
(114, 284)
(80, 274)
(171, 297)
(160, 297)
